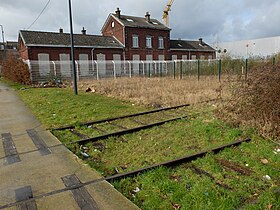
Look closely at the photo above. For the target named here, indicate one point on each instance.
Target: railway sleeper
(234, 167)
(77, 133)
(200, 172)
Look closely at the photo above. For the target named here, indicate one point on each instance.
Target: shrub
(15, 70)
(255, 102)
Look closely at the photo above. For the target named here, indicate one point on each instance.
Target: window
(148, 41)
(160, 42)
(202, 57)
(113, 24)
(174, 57)
(135, 41)
(44, 63)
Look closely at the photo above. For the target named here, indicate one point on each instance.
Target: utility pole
(73, 51)
(2, 29)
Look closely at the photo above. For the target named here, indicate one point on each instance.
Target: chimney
(61, 30)
(200, 41)
(84, 31)
(148, 17)
(118, 13)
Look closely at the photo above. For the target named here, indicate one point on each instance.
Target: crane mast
(166, 12)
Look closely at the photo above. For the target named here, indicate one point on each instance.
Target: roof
(140, 22)
(52, 39)
(189, 45)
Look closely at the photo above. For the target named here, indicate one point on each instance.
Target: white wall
(254, 47)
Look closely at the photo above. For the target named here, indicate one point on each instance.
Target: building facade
(123, 38)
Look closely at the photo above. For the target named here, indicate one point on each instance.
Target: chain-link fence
(59, 71)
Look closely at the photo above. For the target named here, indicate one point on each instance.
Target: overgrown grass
(231, 179)
(158, 92)
(169, 141)
(56, 106)
(208, 184)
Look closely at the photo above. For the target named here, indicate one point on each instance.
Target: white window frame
(135, 41)
(160, 42)
(149, 42)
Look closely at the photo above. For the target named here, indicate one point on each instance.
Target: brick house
(51, 46)
(123, 38)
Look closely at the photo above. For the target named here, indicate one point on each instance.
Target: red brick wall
(117, 31)
(23, 51)
(180, 53)
(142, 50)
(55, 51)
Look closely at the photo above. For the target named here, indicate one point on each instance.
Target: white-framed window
(184, 57)
(160, 42)
(135, 41)
(161, 57)
(202, 57)
(44, 63)
(193, 57)
(174, 57)
(148, 41)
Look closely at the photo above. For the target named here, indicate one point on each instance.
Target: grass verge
(235, 178)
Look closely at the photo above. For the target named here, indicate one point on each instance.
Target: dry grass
(157, 92)
(256, 102)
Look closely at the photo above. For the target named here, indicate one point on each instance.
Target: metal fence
(58, 71)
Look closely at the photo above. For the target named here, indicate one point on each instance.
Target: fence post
(149, 70)
(174, 70)
(246, 68)
(143, 64)
(273, 60)
(77, 70)
(166, 67)
(97, 70)
(114, 66)
(160, 69)
(181, 69)
(129, 67)
(198, 69)
(220, 69)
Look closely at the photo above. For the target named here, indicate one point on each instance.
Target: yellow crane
(166, 11)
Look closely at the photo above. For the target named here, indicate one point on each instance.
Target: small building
(123, 38)
(51, 46)
(126, 43)
(191, 50)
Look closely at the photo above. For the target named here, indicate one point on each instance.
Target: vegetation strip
(118, 133)
(120, 117)
(175, 162)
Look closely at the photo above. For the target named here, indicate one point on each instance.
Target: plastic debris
(85, 154)
(267, 177)
(136, 190)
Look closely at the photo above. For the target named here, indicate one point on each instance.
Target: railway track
(118, 126)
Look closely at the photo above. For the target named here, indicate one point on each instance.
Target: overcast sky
(213, 20)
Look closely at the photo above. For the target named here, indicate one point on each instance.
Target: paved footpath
(38, 172)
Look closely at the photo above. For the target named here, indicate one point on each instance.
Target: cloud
(189, 19)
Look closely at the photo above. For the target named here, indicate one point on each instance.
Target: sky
(215, 21)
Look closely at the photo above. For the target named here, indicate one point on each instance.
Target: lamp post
(2, 29)
(73, 51)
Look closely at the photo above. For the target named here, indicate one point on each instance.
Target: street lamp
(73, 51)
(2, 29)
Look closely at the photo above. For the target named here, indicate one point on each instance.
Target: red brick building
(123, 38)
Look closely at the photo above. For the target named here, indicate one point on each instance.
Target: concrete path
(37, 171)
